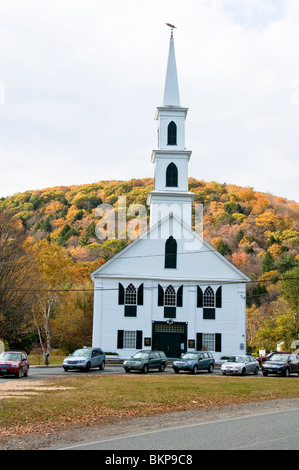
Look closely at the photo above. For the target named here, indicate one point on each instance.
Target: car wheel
(87, 367)
(195, 369)
(243, 371)
(211, 368)
(27, 372)
(127, 370)
(287, 372)
(19, 375)
(66, 369)
(176, 371)
(102, 366)
(256, 371)
(223, 373)
(162, 367)
(265, 374)
(145, 369)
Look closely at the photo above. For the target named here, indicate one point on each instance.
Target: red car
(14, 363)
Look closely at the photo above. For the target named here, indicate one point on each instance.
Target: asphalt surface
(268, 430)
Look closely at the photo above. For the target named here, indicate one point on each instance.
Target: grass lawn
(47, 405)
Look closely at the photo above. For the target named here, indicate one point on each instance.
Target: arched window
(170, 253)
(209, 297)
(171, 133)
(130, 297)
(172, 175)
(170, 296)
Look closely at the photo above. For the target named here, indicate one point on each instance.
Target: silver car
(85, 359)
(240, 365)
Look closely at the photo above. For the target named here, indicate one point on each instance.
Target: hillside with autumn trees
(49, 248)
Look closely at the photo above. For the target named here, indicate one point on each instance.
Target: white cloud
(82, 80)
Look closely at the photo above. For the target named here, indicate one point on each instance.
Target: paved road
(269, 430)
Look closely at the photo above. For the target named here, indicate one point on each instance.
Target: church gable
(170, 249)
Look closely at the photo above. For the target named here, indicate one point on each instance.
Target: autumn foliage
(258, 232)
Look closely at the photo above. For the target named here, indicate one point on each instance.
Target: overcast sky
(80, 81)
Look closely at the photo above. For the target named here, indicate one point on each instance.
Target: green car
(145, 361)
(193, 361)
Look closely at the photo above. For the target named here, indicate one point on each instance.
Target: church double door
(170, 337)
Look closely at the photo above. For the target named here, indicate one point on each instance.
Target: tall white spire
(171, 90)
(170, 194)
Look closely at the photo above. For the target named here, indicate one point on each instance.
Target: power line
(176, 284)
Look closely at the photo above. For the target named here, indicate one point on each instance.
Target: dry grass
(28, 406)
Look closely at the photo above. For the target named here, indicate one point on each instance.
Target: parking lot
(44, 372)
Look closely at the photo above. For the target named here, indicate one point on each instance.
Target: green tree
(268, 263)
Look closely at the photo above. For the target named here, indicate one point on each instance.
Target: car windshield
(279, 357)
(189, 356)
(141, 355)
(236, 359)
(10, 356)
(82, 352)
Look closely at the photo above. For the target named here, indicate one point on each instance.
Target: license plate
(270, 370)
(3, 370)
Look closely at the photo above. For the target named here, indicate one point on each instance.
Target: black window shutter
(140, 295)
(170, 253)
(209, 313)
(160, 296)
(169, 312)
(219, 297)
(180, 297)
(120, 339)
(198, 341)
(121, 294)
(130, 310)
(218, 342)
(199, 297)
(171, 133)
(138, 339)
(172, 175)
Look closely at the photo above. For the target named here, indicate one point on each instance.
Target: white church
(169, 289)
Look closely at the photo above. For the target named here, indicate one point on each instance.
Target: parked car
(193, 361)
(263, 359)
(85, 359)
(146, 360)
(282, 364)
(14, 363)
(240, 365)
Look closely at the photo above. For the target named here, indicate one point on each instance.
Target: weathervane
(172, 27)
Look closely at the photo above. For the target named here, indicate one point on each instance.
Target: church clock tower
(170, 194)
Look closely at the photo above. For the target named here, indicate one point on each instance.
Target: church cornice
(171, 109)
(171, 151)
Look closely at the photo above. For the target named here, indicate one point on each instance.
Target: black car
(281, 364)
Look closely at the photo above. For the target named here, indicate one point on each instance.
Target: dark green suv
(145, 361)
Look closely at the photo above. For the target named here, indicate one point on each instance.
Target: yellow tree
(51, 278)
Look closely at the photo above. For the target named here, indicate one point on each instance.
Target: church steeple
(171, 90)
(171, 159)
